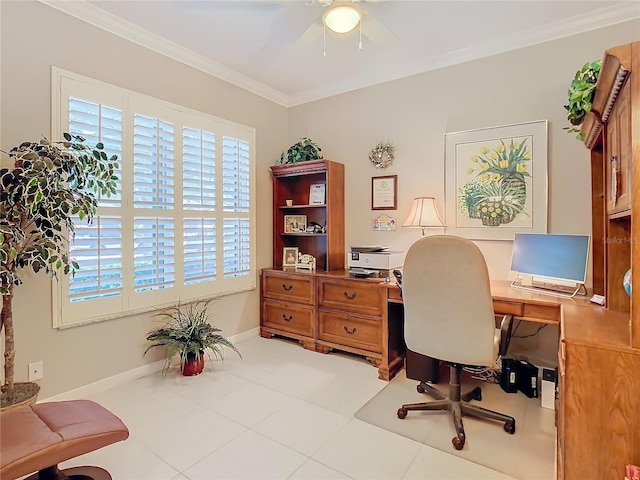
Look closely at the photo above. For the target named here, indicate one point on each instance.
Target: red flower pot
(192, 365)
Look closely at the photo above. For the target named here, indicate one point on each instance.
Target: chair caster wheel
(402, 413)
(458, 443)
(420, 388)
(510, 427)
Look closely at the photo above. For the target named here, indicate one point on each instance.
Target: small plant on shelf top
(302, 151)
(581, 93)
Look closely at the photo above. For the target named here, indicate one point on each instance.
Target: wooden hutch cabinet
(293, 182)
(599, 356)
(325, 309)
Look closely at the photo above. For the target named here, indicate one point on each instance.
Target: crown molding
(604, 17)
(97, 17)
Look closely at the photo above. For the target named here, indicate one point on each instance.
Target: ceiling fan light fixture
(341, 18)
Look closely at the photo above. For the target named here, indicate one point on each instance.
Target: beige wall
(414, 113)
(33, 38)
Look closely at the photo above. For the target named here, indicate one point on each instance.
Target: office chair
(448, 314)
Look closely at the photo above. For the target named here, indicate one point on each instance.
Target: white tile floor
(282, 412)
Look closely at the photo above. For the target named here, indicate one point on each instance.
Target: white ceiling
(275, 47)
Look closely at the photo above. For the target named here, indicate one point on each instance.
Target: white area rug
(527, 455)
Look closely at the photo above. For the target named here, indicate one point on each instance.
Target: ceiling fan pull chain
(324, 39)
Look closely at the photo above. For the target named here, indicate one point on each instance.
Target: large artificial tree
(50, 185)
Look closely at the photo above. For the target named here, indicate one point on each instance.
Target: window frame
(66, 313)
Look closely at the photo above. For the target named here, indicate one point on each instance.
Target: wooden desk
(522, 304)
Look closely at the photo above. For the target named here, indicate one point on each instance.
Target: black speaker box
(527, 378)
(508, 378)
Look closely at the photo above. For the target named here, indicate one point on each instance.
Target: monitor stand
(550, 288)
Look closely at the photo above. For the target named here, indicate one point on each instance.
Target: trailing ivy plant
(302, 151)
(581, 93)
(50, 184)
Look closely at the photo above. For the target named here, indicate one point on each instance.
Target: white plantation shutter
(153, 253)
(182, 226)
(198, 170)
(152, 163)
(235, 175)
(199, 250)
(236, 247)
(99, 123)
(98, 250)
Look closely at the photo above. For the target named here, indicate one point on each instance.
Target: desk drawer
(352, 295)
(350, 330)
(508, 308)
(288, 317)
(289, 287)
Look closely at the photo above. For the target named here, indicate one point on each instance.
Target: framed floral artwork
(496, 181)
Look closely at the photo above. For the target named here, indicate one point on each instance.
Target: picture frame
(295, 223)
(289, 256)
(384, 192)
(317, 194)
(306, 262)
(496, 181)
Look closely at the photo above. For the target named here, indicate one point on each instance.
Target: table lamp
(424, 214)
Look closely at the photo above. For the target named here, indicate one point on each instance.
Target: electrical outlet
(35, 371)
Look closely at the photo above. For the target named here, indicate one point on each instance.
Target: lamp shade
(424, 214)
(341, 19)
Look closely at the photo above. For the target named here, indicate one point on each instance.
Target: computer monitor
(550, 262)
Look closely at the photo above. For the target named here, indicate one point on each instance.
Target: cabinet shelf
(298, 207)
(303, 234)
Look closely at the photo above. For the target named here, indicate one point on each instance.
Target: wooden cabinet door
(618, 152)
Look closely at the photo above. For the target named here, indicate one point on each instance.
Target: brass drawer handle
(287, 288)
(350, 297)
(350, 332)
(287, 319)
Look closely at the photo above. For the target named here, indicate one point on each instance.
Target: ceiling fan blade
(288, 26)
(312, 35)
(375, 31)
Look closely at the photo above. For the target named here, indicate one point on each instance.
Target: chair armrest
(505, 334)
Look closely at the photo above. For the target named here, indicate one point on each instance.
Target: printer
(373, 261)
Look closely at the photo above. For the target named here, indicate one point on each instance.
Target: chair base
(74, 473)
(458, 405)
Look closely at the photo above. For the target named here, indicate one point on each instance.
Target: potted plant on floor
(50, 185)
(189, 333)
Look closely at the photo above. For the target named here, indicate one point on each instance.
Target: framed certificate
(384, 192)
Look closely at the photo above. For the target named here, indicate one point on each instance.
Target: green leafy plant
(188, 331)
(302, 151)
(50, 185)
(581, 93)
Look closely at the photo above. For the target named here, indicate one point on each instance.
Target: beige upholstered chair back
(447, 301)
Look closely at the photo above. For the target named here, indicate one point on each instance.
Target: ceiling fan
(343, 17)
(301, 26)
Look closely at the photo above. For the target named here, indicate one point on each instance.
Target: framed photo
(295, 223)
(317, 194)
(289, 256)
(384, 192)
(496, 181)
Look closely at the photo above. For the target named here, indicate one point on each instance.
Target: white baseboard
(120, 378)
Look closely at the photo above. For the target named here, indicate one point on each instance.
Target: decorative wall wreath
(382, 154)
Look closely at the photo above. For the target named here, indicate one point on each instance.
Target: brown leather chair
(448, 315)
(35, 438)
